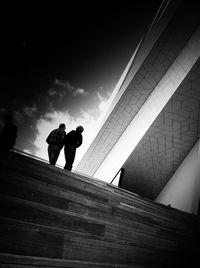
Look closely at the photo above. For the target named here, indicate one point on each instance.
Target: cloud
(61, 88)
(60, 83)
(52, 92)
(101, 98)
(80, 91)
(104, 102)
(64, 85)
(30, 110)
(57, 92)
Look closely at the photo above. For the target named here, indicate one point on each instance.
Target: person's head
(80, 129)
(62, 126)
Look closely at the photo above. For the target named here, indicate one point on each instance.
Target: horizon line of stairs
(51, 217)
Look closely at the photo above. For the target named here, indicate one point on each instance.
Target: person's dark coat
(73, 140)
(8, 135)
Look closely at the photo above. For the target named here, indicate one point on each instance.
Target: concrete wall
(183, 189)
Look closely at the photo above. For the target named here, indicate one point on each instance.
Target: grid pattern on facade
(168, 140)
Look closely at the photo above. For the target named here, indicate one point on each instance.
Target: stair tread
(155, 208)
(28, 209)
(139, 240)
(21, 259)
(92, 207)
(50, 212)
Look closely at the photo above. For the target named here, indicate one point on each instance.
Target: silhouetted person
(8, 134)
(73, 140)
(56, 141)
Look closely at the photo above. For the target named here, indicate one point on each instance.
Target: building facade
(152, 127)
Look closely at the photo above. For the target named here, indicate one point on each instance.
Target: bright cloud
(101, 98)
(60, 88)
(80, 91)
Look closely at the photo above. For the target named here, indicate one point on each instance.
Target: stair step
(106, 190)
(154, 244)
(11, 261)
(31, 239)
(25, 187)
(17, 159)
(89, 180)
(24, 210)
(59, 197)
(47, 212)
(27, 211)
(98, 195)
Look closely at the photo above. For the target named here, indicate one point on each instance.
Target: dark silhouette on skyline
(73, 140)
(55, 142)
(8, 134)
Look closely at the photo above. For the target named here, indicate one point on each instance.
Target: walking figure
(73, 140)
(55, 141)
(8, 134)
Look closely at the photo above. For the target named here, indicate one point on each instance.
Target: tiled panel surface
(168, 140)
(156, 64)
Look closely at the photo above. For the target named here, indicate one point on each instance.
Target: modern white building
(152, 128)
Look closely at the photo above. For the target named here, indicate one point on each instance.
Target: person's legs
(56, 155)
(53, 152)
(70, 153)
(50, 153)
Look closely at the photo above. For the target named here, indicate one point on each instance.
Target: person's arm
(48, 138)
(63, 138)
(79, 142)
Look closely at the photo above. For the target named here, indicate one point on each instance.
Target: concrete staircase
(54, 218)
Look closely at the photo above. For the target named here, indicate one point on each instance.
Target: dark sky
(48, 47)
